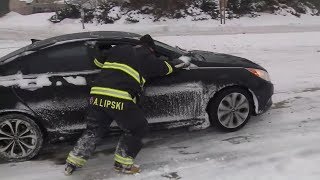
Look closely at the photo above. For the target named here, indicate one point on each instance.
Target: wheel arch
(253, 101)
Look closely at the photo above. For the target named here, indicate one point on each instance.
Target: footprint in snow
(172, 175)
(238, 139)
(187, 153)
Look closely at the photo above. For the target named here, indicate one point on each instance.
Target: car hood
(225, 60)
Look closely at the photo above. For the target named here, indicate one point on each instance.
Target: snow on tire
(20, 138)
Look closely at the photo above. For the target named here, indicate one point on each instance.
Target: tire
(20, 138)
(230, 109)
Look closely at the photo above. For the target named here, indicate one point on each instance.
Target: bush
(160, 8)
(105, 12)
(241, 7)
(109, 11)
(211, 8)
(70, 11)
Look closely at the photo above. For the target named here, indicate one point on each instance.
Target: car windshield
(166, 46)
(180, 51)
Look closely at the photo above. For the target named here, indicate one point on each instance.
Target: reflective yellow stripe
(72, 161)
(170, 70)
(97, 63)
(111, 92)
(78, 161)
(122, 160)
(125, 68)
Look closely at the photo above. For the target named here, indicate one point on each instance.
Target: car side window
(161, 52)
(12, 68)
(106, 45)
(61, 58)
(162, 56)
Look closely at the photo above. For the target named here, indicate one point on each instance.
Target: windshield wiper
(195, 55)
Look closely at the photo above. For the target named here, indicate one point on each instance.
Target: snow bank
(14, 19)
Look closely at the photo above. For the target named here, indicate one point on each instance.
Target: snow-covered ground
(282, 144)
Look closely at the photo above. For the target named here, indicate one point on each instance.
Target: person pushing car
(114, 95)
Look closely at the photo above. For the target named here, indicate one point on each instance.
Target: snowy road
(162, 30)
(281, 144)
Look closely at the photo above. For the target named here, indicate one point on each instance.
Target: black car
(44, 88)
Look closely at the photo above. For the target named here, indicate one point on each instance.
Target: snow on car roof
(68, 37)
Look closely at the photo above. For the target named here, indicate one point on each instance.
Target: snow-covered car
(44, 88)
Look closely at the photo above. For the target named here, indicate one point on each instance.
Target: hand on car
(184, 62)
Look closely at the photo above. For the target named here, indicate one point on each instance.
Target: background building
(4, 7)
(26, 7)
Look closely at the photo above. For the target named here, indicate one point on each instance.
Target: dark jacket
(127, 68)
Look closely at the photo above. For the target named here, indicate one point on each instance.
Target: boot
(126, 169)
(69, 169)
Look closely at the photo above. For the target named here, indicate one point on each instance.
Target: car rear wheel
(20, 138)
(230, 110)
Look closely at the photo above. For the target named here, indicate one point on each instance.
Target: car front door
(171, 98)
(176, 97)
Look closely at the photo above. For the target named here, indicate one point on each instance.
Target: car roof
(70, 37)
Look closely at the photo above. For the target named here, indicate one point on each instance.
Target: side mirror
(34, 40)
(184, 50)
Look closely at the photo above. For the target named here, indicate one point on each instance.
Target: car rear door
(55, 82)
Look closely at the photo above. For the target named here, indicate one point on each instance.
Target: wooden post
(223, 6)
(82, 17)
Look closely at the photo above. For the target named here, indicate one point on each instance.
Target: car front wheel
(20, 138)
(230, 110)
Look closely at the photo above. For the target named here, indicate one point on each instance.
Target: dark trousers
(101, 112)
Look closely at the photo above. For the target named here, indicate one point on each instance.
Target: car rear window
(68, 57)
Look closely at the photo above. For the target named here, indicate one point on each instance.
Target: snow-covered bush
(283, 7)
(241, 7)
(107, 12)
(70, 11)
(132, 11)
(211, 7)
